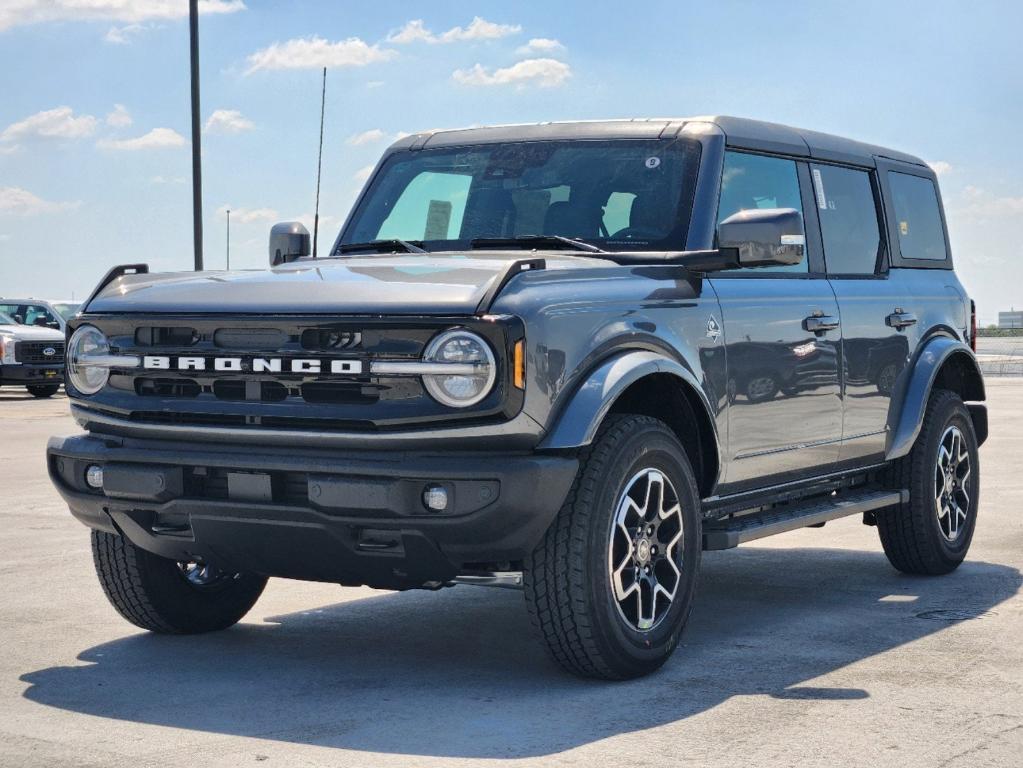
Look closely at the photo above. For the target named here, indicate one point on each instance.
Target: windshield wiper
(534, 241)
(381, 246)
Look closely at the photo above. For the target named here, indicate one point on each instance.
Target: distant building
(1012, 319)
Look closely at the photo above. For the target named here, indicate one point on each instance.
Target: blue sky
(85, 183)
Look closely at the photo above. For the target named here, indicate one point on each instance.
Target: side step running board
(725, 534)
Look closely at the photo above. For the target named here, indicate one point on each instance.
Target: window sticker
(903, 228)
(653, 162)
(438, 218)
(818, 185)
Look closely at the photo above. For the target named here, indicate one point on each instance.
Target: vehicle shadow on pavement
(458, 673)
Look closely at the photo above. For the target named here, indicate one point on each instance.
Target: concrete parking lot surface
(806, 649)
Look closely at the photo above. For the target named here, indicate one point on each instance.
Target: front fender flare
(905, 416)
(578, 421)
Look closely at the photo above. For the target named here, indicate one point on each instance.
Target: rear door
(785, 411)
(877, 305)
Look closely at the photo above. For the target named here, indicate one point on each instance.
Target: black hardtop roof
(739, 132)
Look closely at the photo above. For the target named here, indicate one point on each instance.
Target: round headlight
(460, 390)
(85, 342)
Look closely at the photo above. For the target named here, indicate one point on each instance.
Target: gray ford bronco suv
(563, 357)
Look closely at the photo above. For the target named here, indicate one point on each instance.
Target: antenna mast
(319, 165)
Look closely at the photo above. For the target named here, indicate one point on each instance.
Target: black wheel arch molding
(942, 361)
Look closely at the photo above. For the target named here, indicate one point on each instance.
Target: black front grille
(34, 352)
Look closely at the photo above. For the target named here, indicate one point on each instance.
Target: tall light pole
(193, 35)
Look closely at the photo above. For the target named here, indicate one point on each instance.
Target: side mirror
(288, 241)
(764, 237)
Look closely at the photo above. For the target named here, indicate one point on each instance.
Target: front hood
(30, 332)
(441, 284)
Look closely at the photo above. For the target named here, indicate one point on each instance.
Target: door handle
(820, 324)
(899, 319)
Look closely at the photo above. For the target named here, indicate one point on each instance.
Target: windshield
(6, 319)
(617, 195)
(66, 309)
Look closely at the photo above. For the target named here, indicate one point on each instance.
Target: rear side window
(849, 223)
(755, 181)
(917, 217)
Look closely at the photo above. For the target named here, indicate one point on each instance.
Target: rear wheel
(43, 390)
(169, 597)
(931, 533)
(611, 585)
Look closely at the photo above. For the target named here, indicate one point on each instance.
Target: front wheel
(931, 533)
(42, 390)
(168, 597)
(611, 585)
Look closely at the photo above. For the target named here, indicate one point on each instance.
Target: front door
(781, 331)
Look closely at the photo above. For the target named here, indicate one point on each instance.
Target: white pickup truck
(31, 356)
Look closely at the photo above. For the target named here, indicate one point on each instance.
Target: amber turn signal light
(520, 364)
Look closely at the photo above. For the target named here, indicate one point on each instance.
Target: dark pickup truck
(564, 357)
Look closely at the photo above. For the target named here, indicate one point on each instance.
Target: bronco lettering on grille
(253, 365)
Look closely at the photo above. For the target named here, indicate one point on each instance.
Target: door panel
(875, 354)
(785, 409)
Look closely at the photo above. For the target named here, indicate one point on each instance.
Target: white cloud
(940, 167)
(123, 35)
(979, 205)
(540, 45)
(59, 123)
(366, 137)
(546, 73)
(249, 215)
(15, 201)
(158, 138)
(363, 173)
(228, 122)
(120, 117)
(315, 52)
(478, 29)
(18, 12)
(374, 83)
(169, 179)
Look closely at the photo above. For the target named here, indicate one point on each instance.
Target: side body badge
(713, 329)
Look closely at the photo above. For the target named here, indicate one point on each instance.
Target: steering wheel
(638, 233)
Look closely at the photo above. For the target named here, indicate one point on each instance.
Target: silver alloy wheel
(952, 483)
(645, 553)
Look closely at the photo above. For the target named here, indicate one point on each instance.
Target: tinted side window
(848, 216)
(917, 217)
(755, 181)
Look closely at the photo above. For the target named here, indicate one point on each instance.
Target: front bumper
(356, 518)
(32, 374)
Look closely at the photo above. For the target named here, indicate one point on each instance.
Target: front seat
(649, 218)
(571, 220)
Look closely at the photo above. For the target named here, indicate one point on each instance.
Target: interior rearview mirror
(764, 237)
(289, 240)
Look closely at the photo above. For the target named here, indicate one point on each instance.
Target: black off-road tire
(43, 390)
(910, 533)
(153, 593)
(567, 583)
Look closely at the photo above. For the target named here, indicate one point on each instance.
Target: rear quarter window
(917, 217)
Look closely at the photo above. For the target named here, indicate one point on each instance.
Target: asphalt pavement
(805, 649)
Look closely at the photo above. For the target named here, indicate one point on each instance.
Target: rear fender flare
(909, 403)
